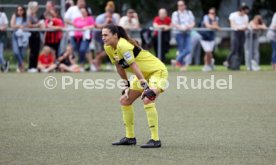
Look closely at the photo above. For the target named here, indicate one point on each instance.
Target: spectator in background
(3, 39)
(210, 21)
(20, 39)
(53, 38)
(68, 4)
(49, 6)
(71, 14)
(196, 49)
(183, 21)
(34, 41)
(130, 21)
(101, 21)
(195, 52)
(271, 35)
(111, 7)
(162, 21)
(67, 62)
(256, 25)
(46, 60)
(82, 38)
(239, 23)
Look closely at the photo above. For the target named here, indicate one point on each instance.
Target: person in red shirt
(46, 60)
(53, 38)
(162, 21)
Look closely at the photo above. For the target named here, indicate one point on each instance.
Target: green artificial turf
(77, 126)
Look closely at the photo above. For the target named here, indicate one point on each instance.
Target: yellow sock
(128, 117)
(152, 120)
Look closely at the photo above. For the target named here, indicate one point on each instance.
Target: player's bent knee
(124, 101)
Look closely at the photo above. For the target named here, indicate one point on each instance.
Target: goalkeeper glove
(149, 93)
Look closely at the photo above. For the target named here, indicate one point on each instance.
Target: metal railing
(225, 29)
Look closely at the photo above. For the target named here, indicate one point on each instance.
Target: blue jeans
(2, 60)
(19, 52)
(273, 43)
(183, 46)
(81, 46)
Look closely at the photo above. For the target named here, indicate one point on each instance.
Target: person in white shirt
(239, 23)
(3, 36)
(130, 21)
(72, 13)
(183, 21)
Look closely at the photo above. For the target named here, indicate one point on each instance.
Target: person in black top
(66, 62)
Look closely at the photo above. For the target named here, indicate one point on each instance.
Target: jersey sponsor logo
(127, 56)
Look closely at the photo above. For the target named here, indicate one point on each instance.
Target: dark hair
(87, 11)
(212, 8)
(67, 6)
(24, 12)
(120, 31)
(130, 11)
(243, 8)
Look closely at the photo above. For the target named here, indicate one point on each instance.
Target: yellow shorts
(157, 80)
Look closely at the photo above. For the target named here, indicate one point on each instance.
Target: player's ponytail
(120, 31)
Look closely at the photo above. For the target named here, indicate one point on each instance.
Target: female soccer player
(151, 75)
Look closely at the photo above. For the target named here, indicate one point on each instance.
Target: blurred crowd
(71, 41)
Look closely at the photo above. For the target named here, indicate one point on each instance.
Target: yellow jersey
(126, 53)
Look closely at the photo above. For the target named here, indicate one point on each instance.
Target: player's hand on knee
(149, 93)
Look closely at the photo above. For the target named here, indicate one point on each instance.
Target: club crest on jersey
(127, 56)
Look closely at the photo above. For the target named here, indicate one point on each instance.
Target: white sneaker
(173, 62)
(32, 70)
(44, 70)
(81, 69)
(207, 68)
(255, 66)
(6, 67)
(93, 68)
(108, 67)
(226, 64)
